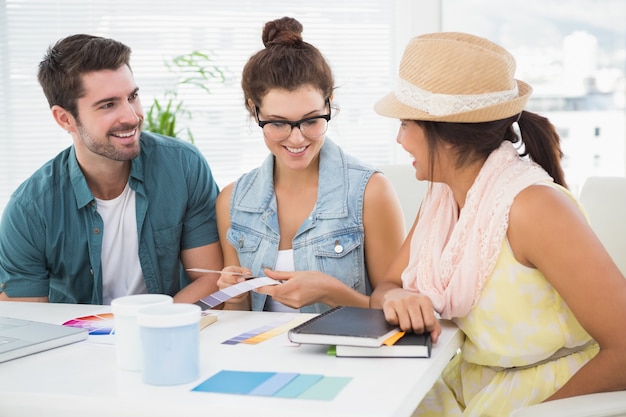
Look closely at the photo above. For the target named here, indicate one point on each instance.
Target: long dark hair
(475, 141)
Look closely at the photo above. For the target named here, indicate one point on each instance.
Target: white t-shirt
(284, 262)
(121, 270)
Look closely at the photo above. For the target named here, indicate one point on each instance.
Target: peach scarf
(451, 256)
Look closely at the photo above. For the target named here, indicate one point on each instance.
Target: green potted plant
(195, 69)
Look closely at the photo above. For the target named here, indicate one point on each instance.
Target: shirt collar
(332, 185)
(83, 194)
(79, 182)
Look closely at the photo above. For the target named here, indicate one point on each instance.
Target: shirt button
(338, 247)
(96, 231)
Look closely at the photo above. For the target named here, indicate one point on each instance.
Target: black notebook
(354, 326)
(411, 345)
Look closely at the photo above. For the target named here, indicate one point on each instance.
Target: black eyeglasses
(310, 127)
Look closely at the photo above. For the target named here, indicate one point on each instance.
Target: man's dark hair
(60, 71)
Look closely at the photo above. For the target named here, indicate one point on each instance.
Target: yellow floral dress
(519, 320)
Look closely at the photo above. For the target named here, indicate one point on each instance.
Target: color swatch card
(97, 324)
(260, 334)
(219, 297)
(274, 384)
(100, 327)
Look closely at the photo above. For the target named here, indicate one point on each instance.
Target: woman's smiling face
(296, 151)
(412, 138)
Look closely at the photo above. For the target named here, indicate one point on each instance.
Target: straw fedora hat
(455, 77)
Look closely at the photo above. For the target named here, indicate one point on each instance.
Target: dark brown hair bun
(285, 30)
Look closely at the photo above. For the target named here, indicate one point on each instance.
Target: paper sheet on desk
(220, 296)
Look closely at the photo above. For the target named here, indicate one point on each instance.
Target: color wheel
(97, 324)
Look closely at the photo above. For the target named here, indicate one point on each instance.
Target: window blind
(357, 38)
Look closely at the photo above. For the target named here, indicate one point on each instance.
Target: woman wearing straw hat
(499, 245)
(311, 216)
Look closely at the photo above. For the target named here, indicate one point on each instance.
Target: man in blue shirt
(120, 212)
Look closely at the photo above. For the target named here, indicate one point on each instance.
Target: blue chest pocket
(252, 248)
(341, 256)
(242, 241)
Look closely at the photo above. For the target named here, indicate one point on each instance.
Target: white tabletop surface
(82, 379)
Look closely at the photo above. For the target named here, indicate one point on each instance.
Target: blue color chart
(274, 384)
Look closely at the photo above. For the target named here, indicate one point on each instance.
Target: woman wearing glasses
(320, 221)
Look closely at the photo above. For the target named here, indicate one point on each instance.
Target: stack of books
(361, 332)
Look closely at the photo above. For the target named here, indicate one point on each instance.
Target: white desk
(82, 379)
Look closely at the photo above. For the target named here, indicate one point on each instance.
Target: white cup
(170, 341)
(127, 340)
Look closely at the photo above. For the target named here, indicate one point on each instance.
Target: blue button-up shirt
(51, 232)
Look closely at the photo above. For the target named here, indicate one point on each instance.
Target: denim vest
(331, 239)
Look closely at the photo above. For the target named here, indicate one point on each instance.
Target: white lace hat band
(448, 104)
